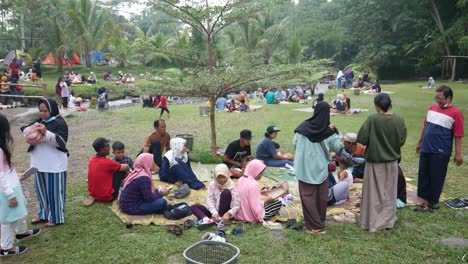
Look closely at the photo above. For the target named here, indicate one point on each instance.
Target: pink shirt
(251, 204)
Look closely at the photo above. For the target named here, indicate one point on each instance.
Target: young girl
(222, 202)
(12, 202)
(252, 208)
(345, 173)
(65, 93)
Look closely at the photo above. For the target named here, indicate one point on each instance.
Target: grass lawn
(96, 235)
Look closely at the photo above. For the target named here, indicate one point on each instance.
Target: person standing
(444, 122)
(163, 105)
(338, 79)
(313, 139)
(383, 134)
(37, 68)
(50, 157)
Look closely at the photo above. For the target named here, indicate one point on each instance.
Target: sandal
(188, 224)
(316, 231)
(423, 209)
(50, 224)
(37, 220)
(175, 229)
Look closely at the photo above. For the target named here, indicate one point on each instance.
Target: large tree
(209, 18)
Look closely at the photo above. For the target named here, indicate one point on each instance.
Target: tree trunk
(213, 123)
(440, 27)
(454, 65)
(88, 57)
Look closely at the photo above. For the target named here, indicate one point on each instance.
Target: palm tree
(120, 49)
(91, 26)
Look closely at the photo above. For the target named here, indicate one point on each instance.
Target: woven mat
(290, 212)
(352, 205)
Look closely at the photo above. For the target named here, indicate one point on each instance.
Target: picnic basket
(211, 252)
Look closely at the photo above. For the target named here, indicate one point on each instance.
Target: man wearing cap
(237, 154)
(356, 150)
(266, 150)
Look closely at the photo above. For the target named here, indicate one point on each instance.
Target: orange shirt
(360, 149)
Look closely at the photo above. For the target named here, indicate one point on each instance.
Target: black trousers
(431, 176)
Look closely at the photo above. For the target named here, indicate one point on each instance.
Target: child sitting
(243, 107)
(222, 202)
(100, 173)
(252, 208)
(118, 149)
(232, 106)
(345, 173)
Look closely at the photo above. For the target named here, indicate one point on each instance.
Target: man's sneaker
(14, 251)
(29, 233)
(206, 224)
(457, 203)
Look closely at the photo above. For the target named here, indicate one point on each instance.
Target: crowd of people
(234, 193)
(13, 75)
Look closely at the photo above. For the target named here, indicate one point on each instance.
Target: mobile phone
(28, 173)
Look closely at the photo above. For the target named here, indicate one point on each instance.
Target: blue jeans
(278, 163)
(154, 207)
(349, 83)
(338, 85)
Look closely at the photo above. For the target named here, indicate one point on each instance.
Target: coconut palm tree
(90, 24)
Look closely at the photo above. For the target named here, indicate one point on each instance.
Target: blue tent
(97, 57)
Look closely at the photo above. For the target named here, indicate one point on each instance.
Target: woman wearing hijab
(139, 196)
(339, 105)
(252, 208)
(383, 134)
(50, 157)
(314, 138)
(318, 100)
(222, 202)
(176, 166)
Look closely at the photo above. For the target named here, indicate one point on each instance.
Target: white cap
(350, 137)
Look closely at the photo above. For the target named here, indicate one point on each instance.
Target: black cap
(246, 134)
(99, 143)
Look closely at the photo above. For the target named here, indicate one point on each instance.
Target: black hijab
(316, 128)
(55, 124)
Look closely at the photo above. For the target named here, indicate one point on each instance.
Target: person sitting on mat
(266, 150)
(139, 195)
(101, 173)
(176, 166)
(222, 202)
(252, 207)
(157, 142)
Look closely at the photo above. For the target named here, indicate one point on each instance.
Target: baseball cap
(350, 137)
(272, 128)
(100, 143)
(246, 134)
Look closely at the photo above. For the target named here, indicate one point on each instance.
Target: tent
(51, 60)
(97, 57)
(19, 55)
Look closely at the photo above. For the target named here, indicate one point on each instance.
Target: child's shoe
(14, 251)
(206, 223)
(29, 233)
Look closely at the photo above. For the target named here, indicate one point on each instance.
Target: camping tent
(97, 57)
(18, 54)
(51, 60)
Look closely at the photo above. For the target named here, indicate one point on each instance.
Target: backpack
(101, 100)
(177, 211)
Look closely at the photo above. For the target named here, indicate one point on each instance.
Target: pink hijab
(142, 166)
(251, 205)
(254, 168)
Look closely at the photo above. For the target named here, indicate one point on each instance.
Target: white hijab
(177, 144)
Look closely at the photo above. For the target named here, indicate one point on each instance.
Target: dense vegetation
(396, 39)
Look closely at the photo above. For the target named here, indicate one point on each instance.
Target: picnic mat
(351, 111)
(352, 205)
(369, 92)
(293, 211)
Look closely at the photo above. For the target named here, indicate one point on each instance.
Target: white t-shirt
(340, 74)
(47, 158)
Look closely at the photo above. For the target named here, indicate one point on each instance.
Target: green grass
(96, 235)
